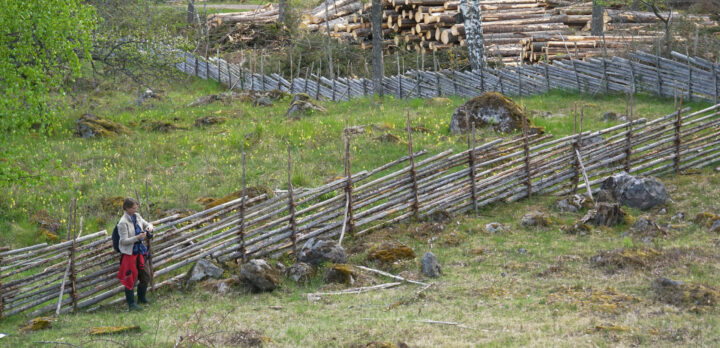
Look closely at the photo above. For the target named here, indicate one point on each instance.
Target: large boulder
(535, 219)
(317, 251)
(260, 274)
(637, 192)
(389, 252)
(430, 266)
(342, 274)
(489, 109)
(303, 104)
(202, 270)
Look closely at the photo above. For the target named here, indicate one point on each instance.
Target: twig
(53, 342)
(354, 290)
(427, 321)
(392, 276)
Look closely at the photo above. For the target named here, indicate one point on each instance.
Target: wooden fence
(33, 279)
(694, 78)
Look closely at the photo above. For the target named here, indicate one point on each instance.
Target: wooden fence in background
(692, 77)
(81, 272)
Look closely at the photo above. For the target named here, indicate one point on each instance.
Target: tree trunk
(474, 33)
(377, 53)
(282, 11)
(596, 23)
(191, 11)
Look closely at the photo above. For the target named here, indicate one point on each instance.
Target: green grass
(183, 165)
(498, 294)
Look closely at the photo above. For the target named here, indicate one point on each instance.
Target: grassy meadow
(520, 287)
(180, 166)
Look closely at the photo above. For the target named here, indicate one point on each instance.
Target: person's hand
(151, 229)
(141, 236)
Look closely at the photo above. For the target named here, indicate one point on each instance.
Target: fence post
(241, 231)
(71, 234)
(437, 76)
(547, 70)
(689, 67)
(576, 178)
(526, 149)
(279, 86)
(678, 135)
(196, 71)
(262, 72)
(307, 76)
(471, 158)
(415, 205)
(577, 76)
(632, 78)
(519, 83)
(348, 222)
(400, 88)
(291, 208)
(207, 69)
(2, 299)
(715, 83)
(229, 71)
(317, 82)
(628, 138)
(659, 77)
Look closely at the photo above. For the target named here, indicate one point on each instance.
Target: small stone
(430, 266)
(494, 227)
(522, 251)
(678, 217)
(203, 269)
(300, 272)
(342, 274)
(260, 274)
(572, 204)
(263, 101)
(535, 219)
(715, 226)
(662, 211)
(609, 116)
(317, 251)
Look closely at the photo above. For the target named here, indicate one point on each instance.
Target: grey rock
(317, 251)
(604, 196)
(488, 110)
(715, 226)
(678, 217)
(260, 274)
(300, 272)
(609, 116)
(201, 270)
(522, 251)
(637, 192)
(592, 140)
(535, 219)
(571, 204)
(342, 274)
(430, 266)
(263, 101)
(494, 227)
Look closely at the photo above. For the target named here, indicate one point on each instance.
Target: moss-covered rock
(626, 258)
(681, 294)
(389, 252)
(341, 273)
(39, 323)
(112, 330)
(209, 120)
(301, 103)
(91, 126)
(491, 109)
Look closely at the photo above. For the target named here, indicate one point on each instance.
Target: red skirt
(130, 265)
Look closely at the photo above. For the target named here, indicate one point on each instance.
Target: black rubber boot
(130, 298)
(142, 294)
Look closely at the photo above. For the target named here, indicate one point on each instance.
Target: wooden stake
(399, 74)
(2, 298)
(291, 208)
(348, 220)
(437, 76)
(71, 234)
(526, 148)
(416, 200)
(473, 186)
(576, 178)
(67, 270)
(678, 135)
(628, 135)
(241, 230)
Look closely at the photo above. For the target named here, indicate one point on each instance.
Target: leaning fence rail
(414, 186)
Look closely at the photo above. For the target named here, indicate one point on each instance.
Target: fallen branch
(354, 290)
(392, 276)
(427, 321)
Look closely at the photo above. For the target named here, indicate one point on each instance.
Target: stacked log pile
(515, 30)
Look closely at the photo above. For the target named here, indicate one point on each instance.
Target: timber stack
(516, 31)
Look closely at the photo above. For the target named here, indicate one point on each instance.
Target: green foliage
(41, 44)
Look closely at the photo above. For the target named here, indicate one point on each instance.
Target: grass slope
(183, 165)
(522, 287)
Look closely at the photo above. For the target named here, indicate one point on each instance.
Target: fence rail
(693, 77)
(416, 185)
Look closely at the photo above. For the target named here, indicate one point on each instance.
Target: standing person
(133, 230)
